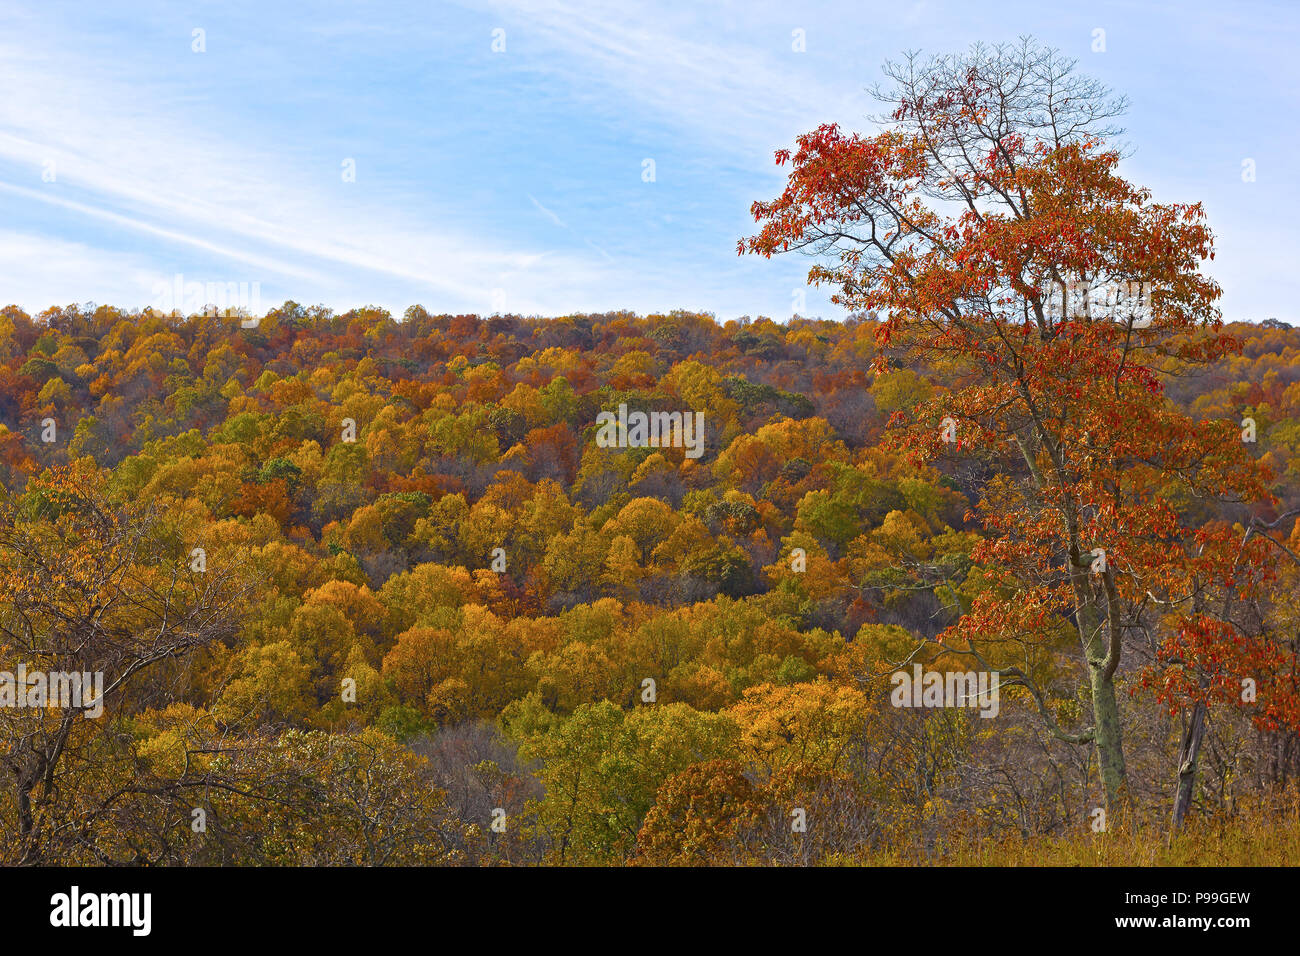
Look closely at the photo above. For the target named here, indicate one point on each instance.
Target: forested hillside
(368, 590)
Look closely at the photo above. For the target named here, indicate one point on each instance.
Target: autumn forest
(989, 572)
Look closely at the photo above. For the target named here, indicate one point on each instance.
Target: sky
(553, 158)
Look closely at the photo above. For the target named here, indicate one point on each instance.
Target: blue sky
(512, 181)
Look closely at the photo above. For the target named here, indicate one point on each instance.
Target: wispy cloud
(133, 160)
(694, 74)
(547, 213)
(35, 264)
(171, 235)
(228, 163)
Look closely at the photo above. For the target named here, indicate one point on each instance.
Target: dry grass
(1263, 833)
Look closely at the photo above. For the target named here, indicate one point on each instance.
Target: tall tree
(987, 227)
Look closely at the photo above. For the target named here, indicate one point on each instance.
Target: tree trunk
(1108, 737)
(1109, 740)
(1187, 758)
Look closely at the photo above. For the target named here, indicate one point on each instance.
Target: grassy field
(1263, 833)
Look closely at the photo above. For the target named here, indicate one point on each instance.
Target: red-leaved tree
(986, 226)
